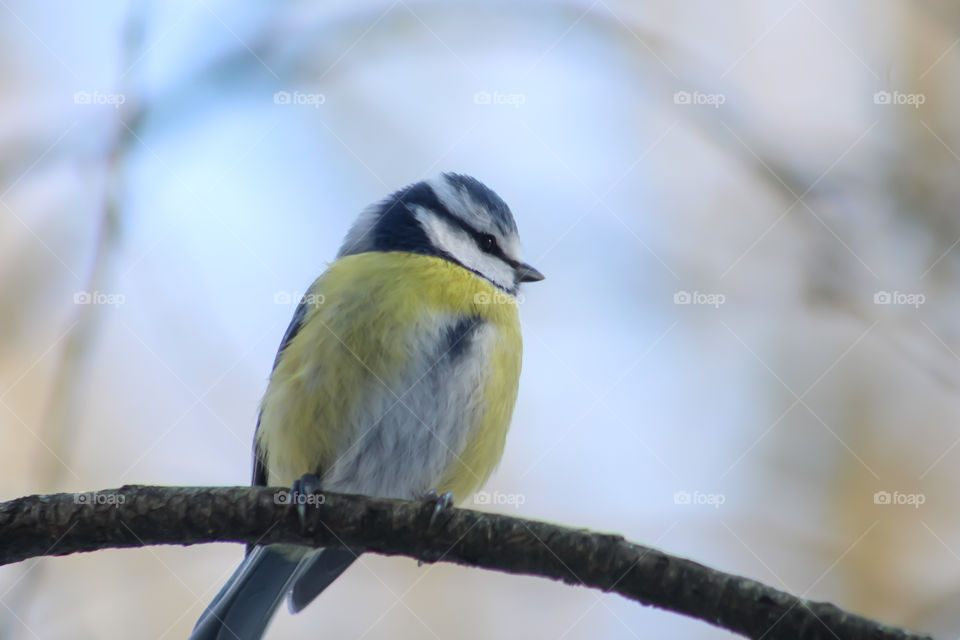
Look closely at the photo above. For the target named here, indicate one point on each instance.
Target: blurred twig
(59, 431)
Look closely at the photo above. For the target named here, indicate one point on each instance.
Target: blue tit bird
(396, 378)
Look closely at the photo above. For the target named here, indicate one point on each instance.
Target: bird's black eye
(488, 243)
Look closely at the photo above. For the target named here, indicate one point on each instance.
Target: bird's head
(452, 216)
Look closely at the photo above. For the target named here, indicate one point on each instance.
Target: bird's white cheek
(462, 247)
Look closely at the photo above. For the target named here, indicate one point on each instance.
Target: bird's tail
(243, 607)
(316, 573)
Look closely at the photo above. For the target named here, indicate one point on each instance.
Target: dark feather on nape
(485, 197)
(398, 229)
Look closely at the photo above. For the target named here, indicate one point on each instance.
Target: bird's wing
(259, 465)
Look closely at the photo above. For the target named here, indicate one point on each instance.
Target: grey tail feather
(316, 573)
(244, 606)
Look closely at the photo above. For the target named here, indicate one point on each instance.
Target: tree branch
(136, 516)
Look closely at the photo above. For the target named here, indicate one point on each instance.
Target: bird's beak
(526, 273)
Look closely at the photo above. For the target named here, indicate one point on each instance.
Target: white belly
(406, 432)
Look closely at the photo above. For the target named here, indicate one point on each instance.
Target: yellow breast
(355, 341)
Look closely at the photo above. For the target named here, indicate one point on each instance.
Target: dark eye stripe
(397, 229)
(487, 242)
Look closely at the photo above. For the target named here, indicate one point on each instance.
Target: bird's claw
(441, 503)
(302, 493)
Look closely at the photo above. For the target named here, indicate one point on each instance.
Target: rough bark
(135, 516)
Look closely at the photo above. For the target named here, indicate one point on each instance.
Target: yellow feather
(353, 339)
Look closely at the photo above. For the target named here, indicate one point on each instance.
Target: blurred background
(745, 351)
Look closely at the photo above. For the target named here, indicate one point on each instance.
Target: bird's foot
(305, 492)
(441, 503)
